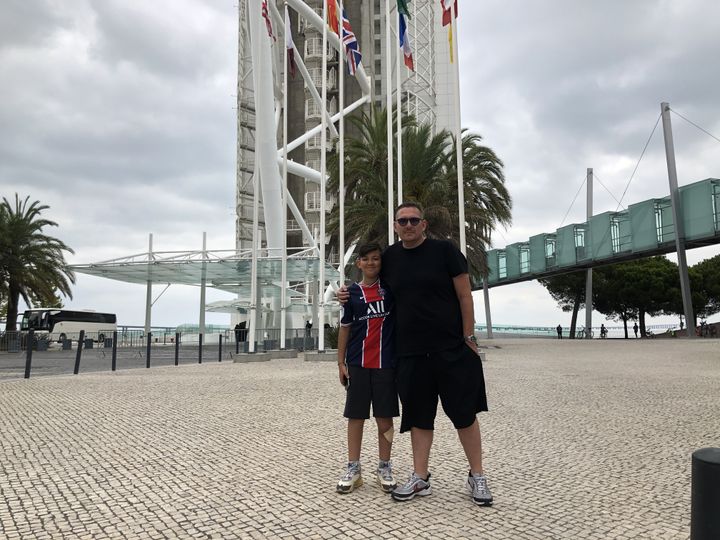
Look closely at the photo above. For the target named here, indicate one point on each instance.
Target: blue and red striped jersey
(370, 314)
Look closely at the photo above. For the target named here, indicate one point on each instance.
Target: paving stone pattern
(585, 440)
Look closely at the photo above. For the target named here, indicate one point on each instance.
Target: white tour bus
(60, 324)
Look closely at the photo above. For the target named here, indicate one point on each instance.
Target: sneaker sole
(349, 489)
(387, 488)
(411, 496)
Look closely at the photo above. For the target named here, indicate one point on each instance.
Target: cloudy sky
(119, 115)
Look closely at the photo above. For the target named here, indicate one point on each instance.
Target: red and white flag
(448, 6)
(289, 45)
(266, 16)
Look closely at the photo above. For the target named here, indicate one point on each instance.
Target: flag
(352, 50)
(403, 8)
(266, 16)
(332, 15)
(447, 13)
(405, 43)
(289, 45)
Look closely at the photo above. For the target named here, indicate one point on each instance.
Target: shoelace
(481, 484)
(385, 473)
(350, 473)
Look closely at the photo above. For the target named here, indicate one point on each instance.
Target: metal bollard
(177, 347)
(147, 350)
(114, 351)
(200, 338)
(220, 348)
(705, 495)
(78, 354)
(28, 353)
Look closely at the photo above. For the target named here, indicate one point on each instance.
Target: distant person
(366, 366)
(308, 328)
(559, 331)
(682, 324)
(635, 329)
(603, 331)
(240, 332)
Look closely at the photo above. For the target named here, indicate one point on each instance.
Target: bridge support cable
(678, 220)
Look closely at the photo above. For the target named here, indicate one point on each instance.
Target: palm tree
(429, 177)
(32, 264)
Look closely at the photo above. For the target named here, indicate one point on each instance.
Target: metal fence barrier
(26, 353)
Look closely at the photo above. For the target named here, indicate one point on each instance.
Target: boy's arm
(343, 336)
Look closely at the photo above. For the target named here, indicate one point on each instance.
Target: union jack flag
(352, 50)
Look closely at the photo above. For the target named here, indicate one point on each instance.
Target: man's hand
(342, 294)
(343, 373)
(473, 345)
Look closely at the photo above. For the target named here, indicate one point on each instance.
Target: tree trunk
(573, 321)
(641, 317)
(624, 320)
(12, 309)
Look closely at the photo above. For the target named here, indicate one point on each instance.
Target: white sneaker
(479, 490)
(351, 479)
(385, 476)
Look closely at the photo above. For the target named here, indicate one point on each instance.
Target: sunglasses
(414, 221)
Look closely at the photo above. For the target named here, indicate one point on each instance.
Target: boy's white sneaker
(351, 479)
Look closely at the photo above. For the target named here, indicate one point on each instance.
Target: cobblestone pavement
(588, 440)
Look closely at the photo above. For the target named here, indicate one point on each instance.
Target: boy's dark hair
(410, 204)
(368, 248)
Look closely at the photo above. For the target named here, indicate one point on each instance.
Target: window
(314, 142)
(311, 108)
(313, 47)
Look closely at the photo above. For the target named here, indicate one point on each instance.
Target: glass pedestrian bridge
(643, 230)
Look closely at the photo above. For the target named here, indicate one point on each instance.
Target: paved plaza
(588, 440)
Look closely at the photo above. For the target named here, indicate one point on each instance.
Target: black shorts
(376, 386)
(455, 376)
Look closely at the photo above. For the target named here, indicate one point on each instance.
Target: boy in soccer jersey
(366, 367)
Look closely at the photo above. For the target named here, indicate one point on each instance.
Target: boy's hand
(343, 373)
(342, 294)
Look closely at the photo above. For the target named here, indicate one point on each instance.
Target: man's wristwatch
(471, 338)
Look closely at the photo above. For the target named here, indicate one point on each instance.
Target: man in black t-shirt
(436, 348)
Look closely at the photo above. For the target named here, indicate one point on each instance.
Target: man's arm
(463, 290)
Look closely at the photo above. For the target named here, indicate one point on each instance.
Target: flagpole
(341, 143)
(458, 137)
(388, 117)
(252, 326)
(398, 62)
(283, 266)
(323, 172)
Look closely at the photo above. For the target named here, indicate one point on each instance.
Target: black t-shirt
(428, 311)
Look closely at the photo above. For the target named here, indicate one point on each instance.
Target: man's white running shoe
(414, 486)
(479, 489)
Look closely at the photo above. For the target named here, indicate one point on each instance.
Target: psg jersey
(370, 314)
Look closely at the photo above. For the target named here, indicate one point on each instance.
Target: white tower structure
(260, 86)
